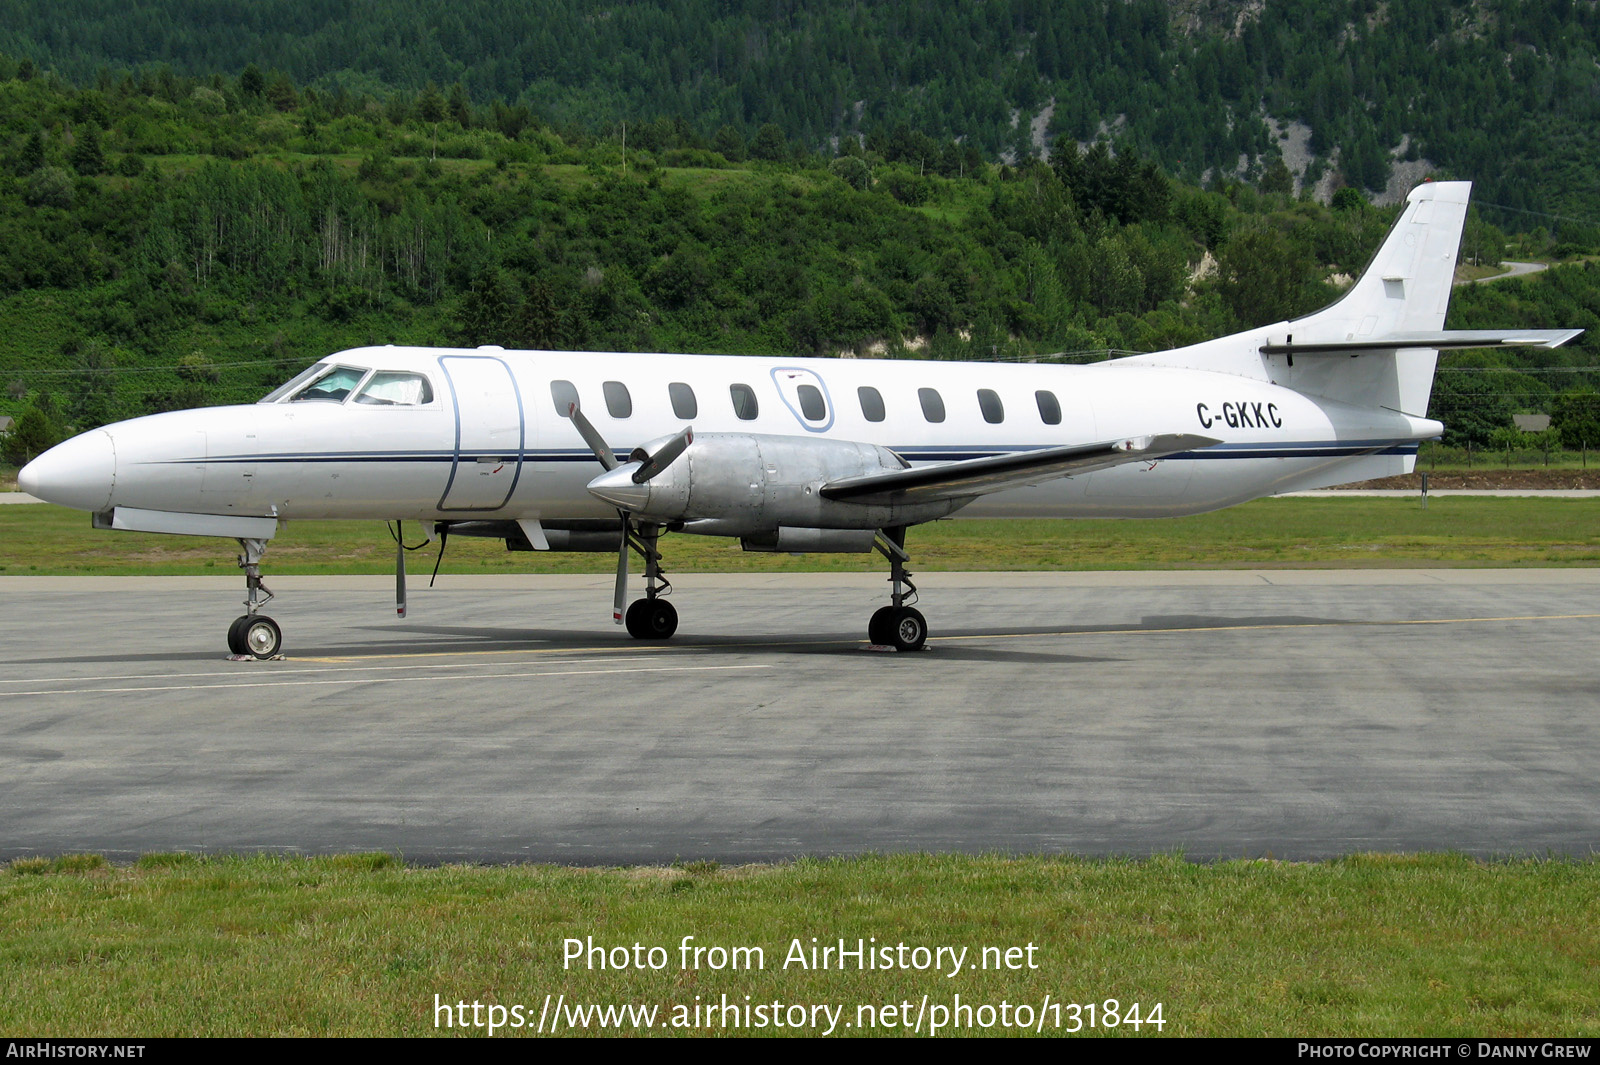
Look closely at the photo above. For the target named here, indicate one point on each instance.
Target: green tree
(489, 309)
(431, 109)
(281, 92)
(729, 143)
(769, 144)
(33, 433)
(32, 156)
(1265, 277)
(1348, 199)
(1575, 415)
(1275, 178)
(49, 186)
(252, 82)
(88, 157)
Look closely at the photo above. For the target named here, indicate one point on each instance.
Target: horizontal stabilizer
(1436, 339)
(994, 473)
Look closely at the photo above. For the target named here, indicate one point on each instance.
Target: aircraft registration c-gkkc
(557, 451)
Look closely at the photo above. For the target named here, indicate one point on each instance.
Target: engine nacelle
(748, 484)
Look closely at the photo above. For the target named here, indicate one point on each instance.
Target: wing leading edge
(995, 473)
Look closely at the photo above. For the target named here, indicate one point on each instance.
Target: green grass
(1323, 532)
(1436, 945)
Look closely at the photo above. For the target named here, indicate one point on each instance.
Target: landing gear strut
(899, 625)
(650, 618)
(251, 633)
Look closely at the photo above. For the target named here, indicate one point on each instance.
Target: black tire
(910, 630)
(262, 637)
(880, 630)
(236, 644)
(651, 619)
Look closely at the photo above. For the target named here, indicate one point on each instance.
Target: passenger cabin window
(618, 402)
(393, 389)
(684, 405)
(565, 396)
(334, 386)
(871, 403)
(812, 408)
(994, 412)
(744, 402)
(932, 404)
(1049, 408)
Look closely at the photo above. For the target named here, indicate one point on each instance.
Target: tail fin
(1378, 344)
(1404, 291)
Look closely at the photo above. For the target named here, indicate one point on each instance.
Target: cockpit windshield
(323, 383)
(334, 386)
(332, 383)
(294, 384)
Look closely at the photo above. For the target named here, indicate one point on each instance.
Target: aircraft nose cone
(78, 473)
(617, 488)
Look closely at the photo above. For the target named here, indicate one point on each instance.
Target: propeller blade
(592, 437)
(400, 568)
(654, 464)
(620, 600)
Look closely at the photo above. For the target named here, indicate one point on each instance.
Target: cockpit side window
(394, 388)
(334, 386)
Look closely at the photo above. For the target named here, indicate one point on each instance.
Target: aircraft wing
(995, 473)
(1437, 339)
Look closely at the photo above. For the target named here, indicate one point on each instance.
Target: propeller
(649, 466)
(400, 549)
(592, 437)
(400, 569)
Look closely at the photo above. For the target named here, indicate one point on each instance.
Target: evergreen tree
(252, 82)
(32, 156)
(87, 156)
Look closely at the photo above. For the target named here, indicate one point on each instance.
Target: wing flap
(994, 473)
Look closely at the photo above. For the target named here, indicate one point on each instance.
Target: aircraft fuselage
(490, 441)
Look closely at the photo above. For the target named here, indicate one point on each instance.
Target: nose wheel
(256, 635)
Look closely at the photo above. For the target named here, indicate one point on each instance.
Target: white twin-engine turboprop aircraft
(790, 454)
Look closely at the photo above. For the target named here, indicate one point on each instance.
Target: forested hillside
(1505, 92)
(168, 240)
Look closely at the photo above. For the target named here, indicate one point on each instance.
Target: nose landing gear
(650, 618)
(254, 635)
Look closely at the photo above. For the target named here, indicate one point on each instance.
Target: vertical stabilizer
(1404, 290)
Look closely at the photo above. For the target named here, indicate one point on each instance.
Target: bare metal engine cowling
(749, 484)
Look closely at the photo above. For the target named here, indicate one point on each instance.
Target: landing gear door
(490, 433)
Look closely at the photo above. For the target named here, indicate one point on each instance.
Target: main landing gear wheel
(897, 625)
(256, 635)
(880, 630)
(651, 619)
(236, 644)
(909, 629)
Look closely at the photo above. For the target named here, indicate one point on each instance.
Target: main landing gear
(898, 625)
(252, 634)
(650, 618)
